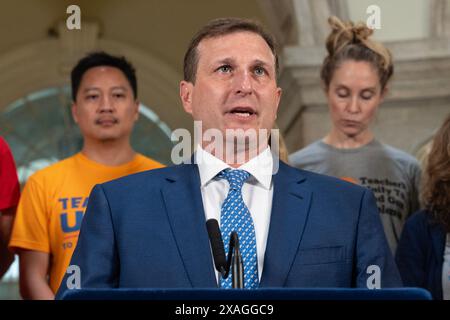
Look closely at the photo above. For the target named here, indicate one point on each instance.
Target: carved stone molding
(76, 43)
(300, 22)
(418, 64)
(440, 18)
(283, 22)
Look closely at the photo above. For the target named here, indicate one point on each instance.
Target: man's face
(235, 85)
(105, 108)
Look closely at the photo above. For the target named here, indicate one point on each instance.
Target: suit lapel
(290, 207)
(182, 198)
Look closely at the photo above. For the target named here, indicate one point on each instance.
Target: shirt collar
(260, 167)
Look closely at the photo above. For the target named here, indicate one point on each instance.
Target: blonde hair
(349, 41)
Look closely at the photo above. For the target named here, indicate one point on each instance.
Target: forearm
(35, 288)
(6, 258)
(34, 266)
(6, 221)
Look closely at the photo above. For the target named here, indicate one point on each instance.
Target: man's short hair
(97, 59)
(221, 27)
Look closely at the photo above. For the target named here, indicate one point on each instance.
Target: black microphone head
(216, 240)
(234, 240)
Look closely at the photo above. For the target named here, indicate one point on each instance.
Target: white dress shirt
(257, 193)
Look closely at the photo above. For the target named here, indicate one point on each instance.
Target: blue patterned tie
(235, 216)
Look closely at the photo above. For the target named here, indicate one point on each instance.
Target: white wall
(400, 19)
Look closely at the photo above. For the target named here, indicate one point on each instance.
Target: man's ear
(186, 91)
(74, 112)
(279, 91)
(136, 110)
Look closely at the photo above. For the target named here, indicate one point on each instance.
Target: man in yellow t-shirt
(49, 214)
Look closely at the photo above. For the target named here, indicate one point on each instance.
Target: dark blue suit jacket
(148, 230)
(420, 253)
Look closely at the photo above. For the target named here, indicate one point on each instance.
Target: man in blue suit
(301, 229)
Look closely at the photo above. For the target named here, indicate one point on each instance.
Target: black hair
(97, 59)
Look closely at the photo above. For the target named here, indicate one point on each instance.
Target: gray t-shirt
(392, 175)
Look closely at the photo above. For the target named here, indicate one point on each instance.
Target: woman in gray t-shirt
(355, 75)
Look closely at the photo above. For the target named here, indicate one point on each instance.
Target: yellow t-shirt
(53, 202)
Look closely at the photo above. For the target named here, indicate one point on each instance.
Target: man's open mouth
(243, 111)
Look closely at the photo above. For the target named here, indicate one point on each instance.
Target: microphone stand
(235, 262)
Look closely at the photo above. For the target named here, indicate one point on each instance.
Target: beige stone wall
(419, 97)
(155, 33)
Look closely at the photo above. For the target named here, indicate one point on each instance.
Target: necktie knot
(235, 177)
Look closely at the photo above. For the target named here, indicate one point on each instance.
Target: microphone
(233, 261)
(218, 251)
